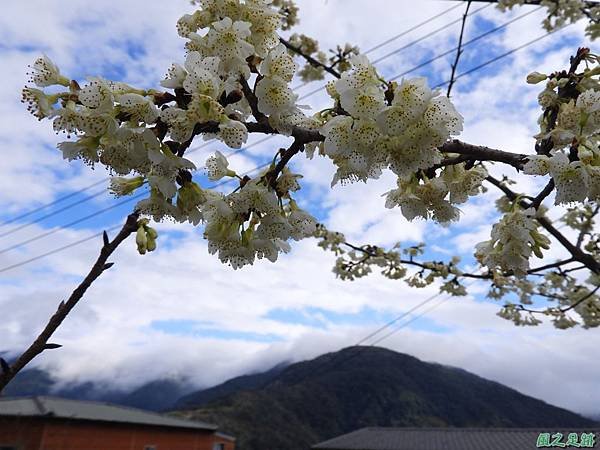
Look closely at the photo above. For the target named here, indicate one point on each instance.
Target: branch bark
(41, 343)
(483, 153)
(466, 150)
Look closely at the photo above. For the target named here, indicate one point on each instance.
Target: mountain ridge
(339, 392)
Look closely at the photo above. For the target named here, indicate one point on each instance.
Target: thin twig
(561, 310)
(312, 61)
(537, 201)
(64, 308)
(371, 252)
(459, 49)
(296, 147)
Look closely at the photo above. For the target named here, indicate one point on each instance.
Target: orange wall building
(46, 423)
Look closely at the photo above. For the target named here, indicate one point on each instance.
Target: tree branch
(467, 151)
(252, 101)
(64, 308)
(483, 153)
(369, 252)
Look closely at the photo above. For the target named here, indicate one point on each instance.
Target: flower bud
(151, 244)
(190, 196)
(120, 186)
(536, 77)
(141, 240)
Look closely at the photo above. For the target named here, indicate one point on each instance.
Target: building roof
(95, 411)
(442, 438)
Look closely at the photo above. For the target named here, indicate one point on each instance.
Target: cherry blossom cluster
(110, 122)
(514, 238)
(254, 222)
(571, 127)
(436, 198)
(565, 291)
(139, 132)
(377, 125)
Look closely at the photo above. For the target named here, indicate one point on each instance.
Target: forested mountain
(356, 387)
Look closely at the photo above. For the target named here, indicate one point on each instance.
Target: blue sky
(182, 298)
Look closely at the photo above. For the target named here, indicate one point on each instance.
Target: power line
(333, 362)
(413, 319)
(441, 55)
(70, 224)
(102, 211)
(96, 194)
(419, 25)
(465, 44)
(398, 318)
(66, 197)
(403, 33)
(53, 213)
(56, 250)
(503, 55)
(428, 35)
(47, 205)
(59, 249)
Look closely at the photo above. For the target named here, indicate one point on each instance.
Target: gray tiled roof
(95, 411)
(442, 438)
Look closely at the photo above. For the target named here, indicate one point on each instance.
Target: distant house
(458, 439)
(46, 423)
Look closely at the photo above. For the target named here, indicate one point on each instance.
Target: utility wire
(56, 250)
(59, 249)
(398, 318)
(413, 319)
(333, 362)
(441, 55)
(419, 25)
(428, 35)
(393, 38)
(499, 57)
(467, 43)
(70, 224)
(55, 212)
(47, 205)
(403, 33)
